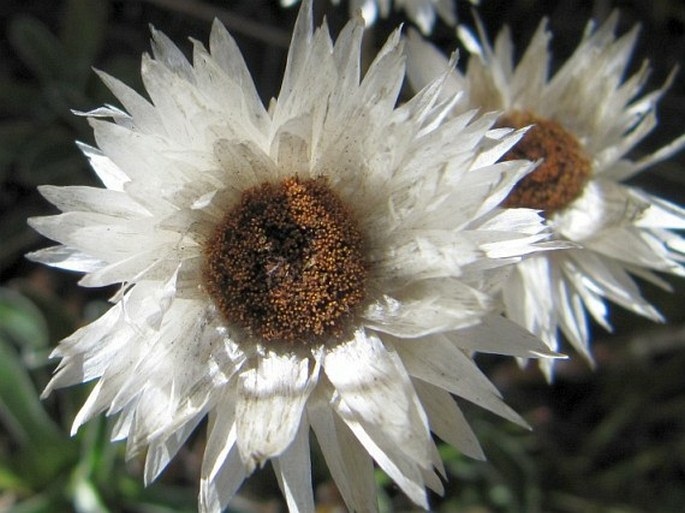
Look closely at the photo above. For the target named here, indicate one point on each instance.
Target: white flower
(588, 118)
(325, 263)
(421, 12)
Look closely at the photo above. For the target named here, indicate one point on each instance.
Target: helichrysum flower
(421, 12)
(587, 118)
(325, 263)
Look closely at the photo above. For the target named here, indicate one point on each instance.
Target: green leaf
(20, 407)
(42, 503)
(163, 498)
(39, 49)
(11, 481)
(51, 499)
(21, 321)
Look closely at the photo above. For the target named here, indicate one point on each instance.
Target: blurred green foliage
(42, 468)
(48, 78)
(609, 441)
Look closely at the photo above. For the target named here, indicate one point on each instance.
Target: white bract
(618, 230)
(425, 197)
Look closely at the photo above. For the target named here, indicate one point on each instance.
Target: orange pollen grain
(286, 264)
(563, 173)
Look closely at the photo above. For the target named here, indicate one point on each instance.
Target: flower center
(562, 175)
(286, 264)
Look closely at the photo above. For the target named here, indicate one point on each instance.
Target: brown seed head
(562, 175)
(286, 264)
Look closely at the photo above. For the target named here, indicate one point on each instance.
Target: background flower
(588, 115)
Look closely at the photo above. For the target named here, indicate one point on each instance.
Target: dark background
(608, 440)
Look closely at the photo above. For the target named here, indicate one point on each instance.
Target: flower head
(585, 119)
(325, 263)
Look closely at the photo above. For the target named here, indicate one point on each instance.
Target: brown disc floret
(563, 173)
(286, 264)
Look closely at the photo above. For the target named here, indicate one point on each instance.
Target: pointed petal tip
(552, 355)
(75, 426)
(46, 392)
(478, 456)
(33, 255)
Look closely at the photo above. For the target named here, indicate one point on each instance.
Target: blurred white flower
(325, 263)
(587, 118)
(421, 12)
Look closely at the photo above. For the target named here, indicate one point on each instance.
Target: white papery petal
(380, 394)
(429, 254)
(624, 169)
(216, 494)
(161, 452)
(489, 334)
(223, 470)
(438, 361)
(614, 282)
(396, 463)
(66, 258)
(84, 355)
(446, 419)
(93, 199)
(348, 461)
(529, 299)
(181, 395)
(270, 399)
(582, 286)
(293, 472)
(111, 176)
(661, 213)
(428, 307)
(227, 55)
(572, 318)
(221, 435)
(145, 115)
